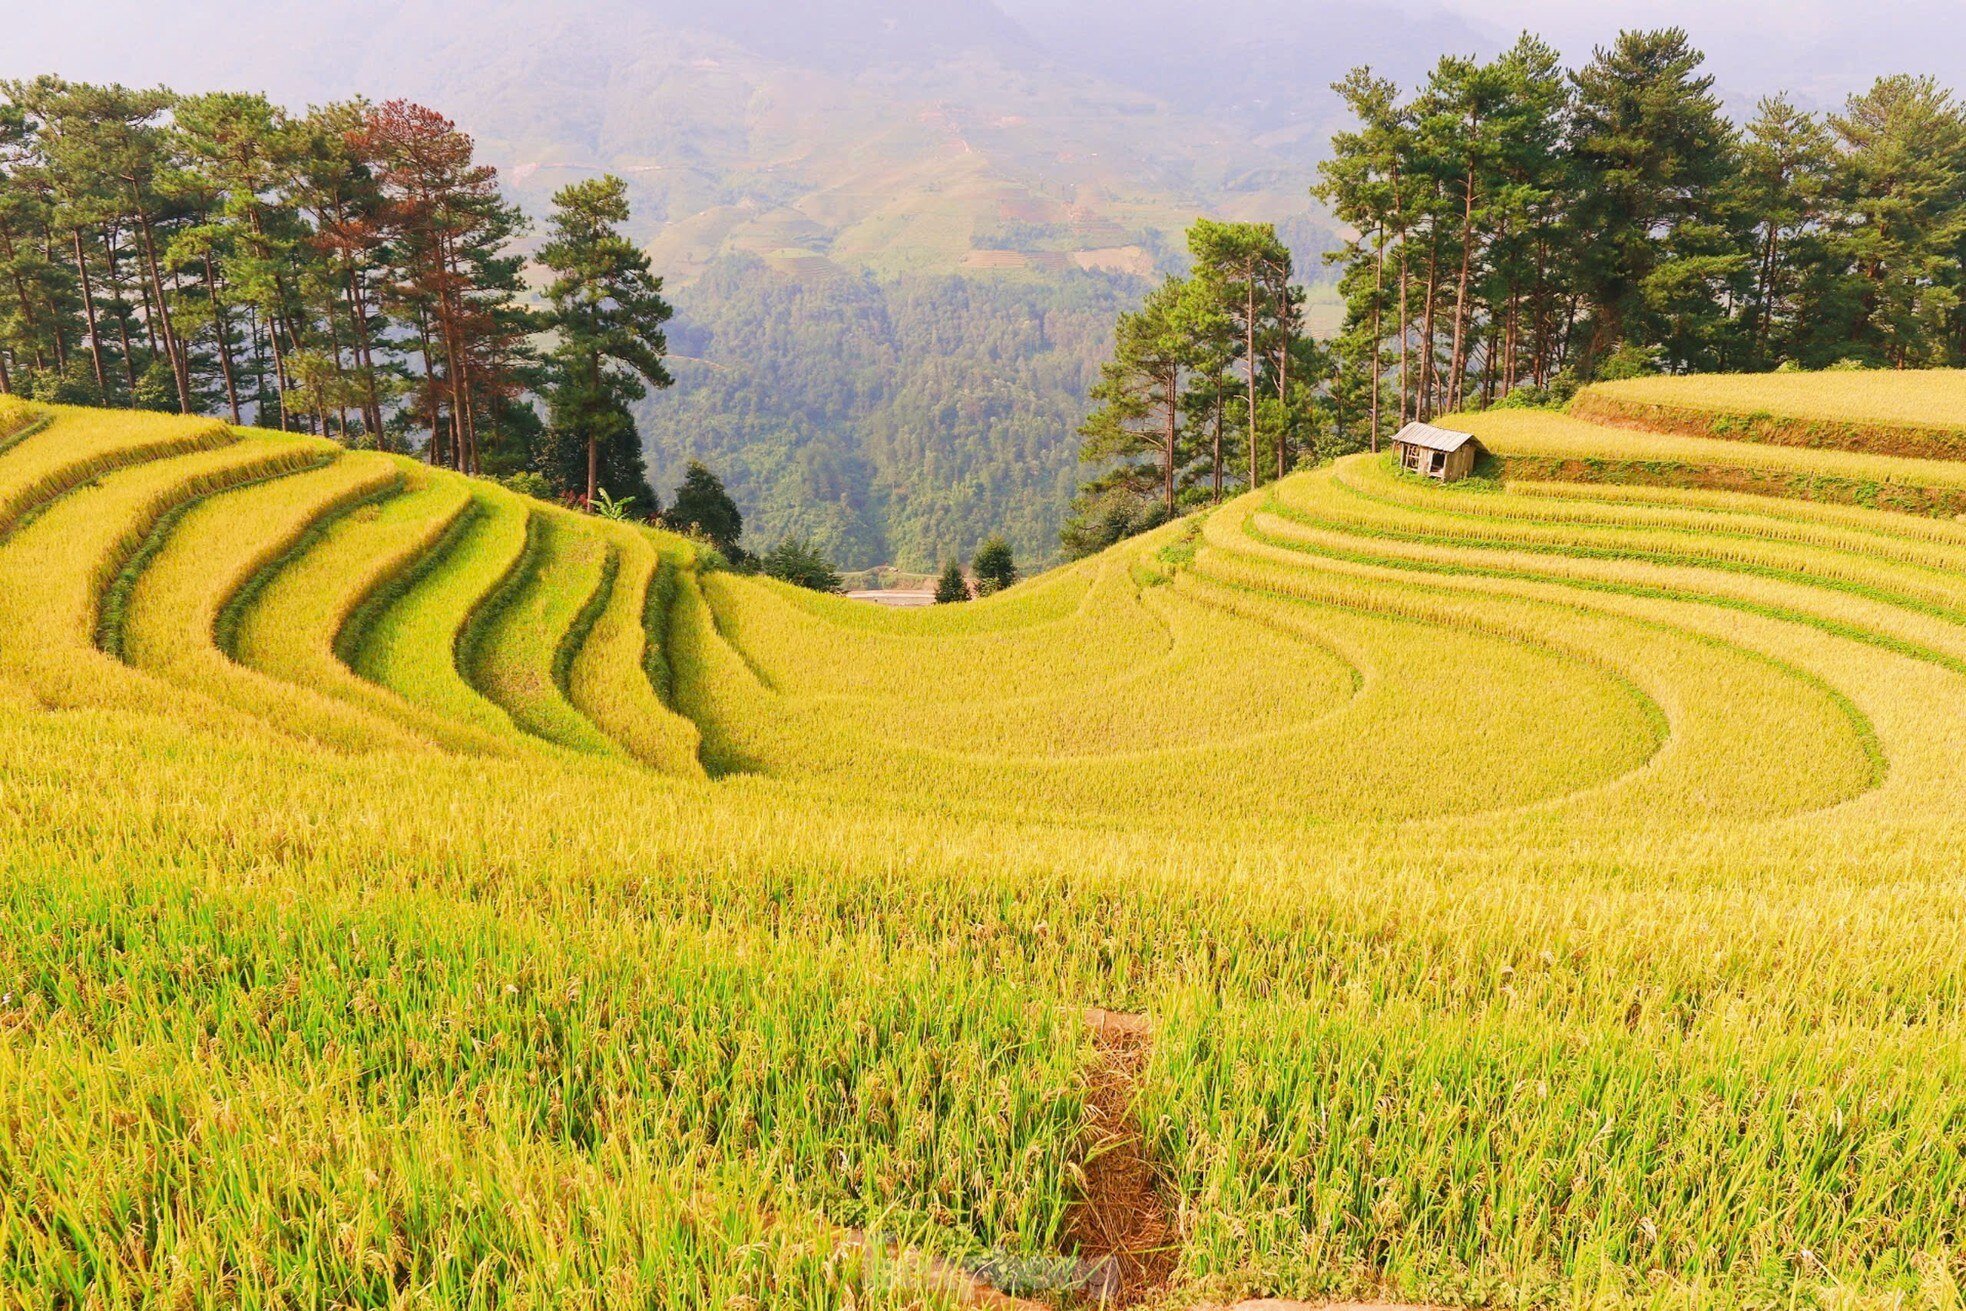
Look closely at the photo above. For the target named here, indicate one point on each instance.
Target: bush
(798, 562)
(701, 507)
(1629, 361)
(993, 566)
(1113, 515)
(951, 586)
(526, 482)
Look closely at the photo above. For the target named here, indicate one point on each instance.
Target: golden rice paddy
(1541, 891)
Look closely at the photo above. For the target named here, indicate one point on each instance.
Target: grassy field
(1541, 891)
(1873, 410)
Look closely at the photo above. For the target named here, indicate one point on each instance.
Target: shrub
(797, 561)
(528, 482)
(993, 566)
(951, 586)
(701, 506)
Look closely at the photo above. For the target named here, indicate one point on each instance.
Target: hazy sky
(1820, 49)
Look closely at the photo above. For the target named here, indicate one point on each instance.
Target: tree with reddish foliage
(450, 277)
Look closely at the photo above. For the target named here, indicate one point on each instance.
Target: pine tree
(797, 561)
(994, 567)
(951, 586)
(1903, 174)
(1788, 161)
(702, 506)
(608, 309)
(1139, 392)
(1242, 269)
(1653, 149)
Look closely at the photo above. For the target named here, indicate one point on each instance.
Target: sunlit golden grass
(1924, 398)
(15, 416)
(309, 607)
(58, 572)
(521, 642)
(45, 464)
(1542, 893)
(1537, 432)
(410, 645)
(609, 677)
(175, 611)
(1883, 412)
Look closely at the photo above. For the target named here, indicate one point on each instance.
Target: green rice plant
(607, 678)
(58, 569)
(293, 625)
(79, 445)
(172, 620)
(1541, 896)
(409, 642)
(521, 643)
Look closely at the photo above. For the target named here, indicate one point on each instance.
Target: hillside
(1543, 889)
(877, 134)
(774, 152)
(889, 421)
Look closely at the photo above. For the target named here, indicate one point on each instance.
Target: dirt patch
(1120, 1226)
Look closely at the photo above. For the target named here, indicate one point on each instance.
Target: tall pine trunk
(1429, 366)
(180, 366)
(593, 441)
(1171, 382)
(1405, 315)
(1286, 325)
(1219, 407)
(224, 331)
(123, 319)
(1458, 360)
(1249, 358)
(1378, 336)
(89, 308)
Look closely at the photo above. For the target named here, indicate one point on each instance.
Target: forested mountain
(776, 156)
(836, 163)
(886, 419)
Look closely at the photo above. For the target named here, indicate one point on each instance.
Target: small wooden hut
(1437, 452)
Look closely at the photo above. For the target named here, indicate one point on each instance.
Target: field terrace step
(178, 603)
(77, 446)
(519, 644)
(620, 673)
(410, 646)
(56, 571)
(295, 625)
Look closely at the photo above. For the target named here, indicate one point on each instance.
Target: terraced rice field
(1545, 890)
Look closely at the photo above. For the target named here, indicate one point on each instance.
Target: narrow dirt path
(1121, 1226)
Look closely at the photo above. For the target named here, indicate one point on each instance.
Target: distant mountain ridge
(897, 136)
(896, 231)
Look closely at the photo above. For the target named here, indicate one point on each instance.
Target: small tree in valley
(797, 561)
(994, 567)
(951, 587)
(702, 506)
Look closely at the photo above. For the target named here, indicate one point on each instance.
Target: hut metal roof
(1432, 438)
